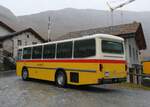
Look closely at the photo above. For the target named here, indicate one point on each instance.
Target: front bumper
(111, 81)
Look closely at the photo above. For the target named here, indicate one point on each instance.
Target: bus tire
(61, 79)
(25, 74)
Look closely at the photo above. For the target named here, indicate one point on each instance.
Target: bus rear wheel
(25, 74)
(61, 79)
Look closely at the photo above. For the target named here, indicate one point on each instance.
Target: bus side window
(64, 50)
(19, 54)
(37, 52)
(49, 51)
(84, 48)
(27, 53)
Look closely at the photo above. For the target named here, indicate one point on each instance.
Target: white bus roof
(103, 36)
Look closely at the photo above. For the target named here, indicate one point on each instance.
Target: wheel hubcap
(60, 79)
(25, 74)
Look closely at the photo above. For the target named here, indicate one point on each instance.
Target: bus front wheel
(25, 74)
(61, 79)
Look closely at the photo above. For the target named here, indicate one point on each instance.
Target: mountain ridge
(71, 19)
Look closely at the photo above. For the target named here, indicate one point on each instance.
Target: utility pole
(122, 18)
(112, 9)
(49, 29)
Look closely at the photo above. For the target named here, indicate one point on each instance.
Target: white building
(12, 41)
(4, 30)
(134, 41)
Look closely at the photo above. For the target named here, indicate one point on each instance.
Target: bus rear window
(112, 47)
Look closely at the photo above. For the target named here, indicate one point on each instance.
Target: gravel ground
(34, 93)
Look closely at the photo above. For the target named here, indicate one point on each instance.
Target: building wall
(4, 31)
(132, 52)
(132, 57)
(26, 38)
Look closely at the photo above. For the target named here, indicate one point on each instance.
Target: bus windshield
(112, 47)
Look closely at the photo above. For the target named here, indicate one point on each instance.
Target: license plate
(106, 74)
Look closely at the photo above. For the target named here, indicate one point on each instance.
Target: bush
(8, 65)
(146, 81)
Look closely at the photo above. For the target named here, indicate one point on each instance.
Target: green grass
(131, 86)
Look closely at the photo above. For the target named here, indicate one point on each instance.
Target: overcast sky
(22, 7)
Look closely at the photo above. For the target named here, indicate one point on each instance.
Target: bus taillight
(126, 67)
(100, 67)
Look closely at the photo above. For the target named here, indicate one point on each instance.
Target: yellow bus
(93, 59)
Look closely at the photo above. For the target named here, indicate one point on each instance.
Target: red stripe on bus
(76, 61)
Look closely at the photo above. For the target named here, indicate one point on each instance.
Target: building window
(19, 42)
(34, 43)
(134, 54)
(1, 45)
(130, 51)
(28, 36)
(25, 43)
(137, 56)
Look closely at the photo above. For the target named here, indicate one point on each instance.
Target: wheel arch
(60, 70)
(24, 67)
